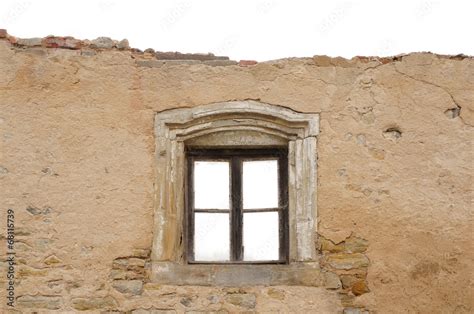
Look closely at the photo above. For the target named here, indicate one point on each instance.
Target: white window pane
(211, 237)
(260, 184)
(261, 236)
(211, 184)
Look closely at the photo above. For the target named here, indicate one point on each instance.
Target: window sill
(237, 262)
(234, 275)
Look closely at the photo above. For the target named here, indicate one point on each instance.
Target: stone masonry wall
(395, 167)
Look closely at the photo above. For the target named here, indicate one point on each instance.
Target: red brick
(245, 63)
(62, 42)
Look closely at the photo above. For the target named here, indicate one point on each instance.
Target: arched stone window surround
(232, 124)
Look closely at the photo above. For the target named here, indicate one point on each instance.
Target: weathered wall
(395, 175)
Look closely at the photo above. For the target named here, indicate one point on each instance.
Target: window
(237, 205)
(230, 132)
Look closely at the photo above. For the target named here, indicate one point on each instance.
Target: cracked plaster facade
(395, 185)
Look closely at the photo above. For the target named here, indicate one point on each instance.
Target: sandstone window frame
(233, 124)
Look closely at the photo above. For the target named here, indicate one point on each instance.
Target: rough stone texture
(245, 300)
(354, 310)
(188, 56)
(94, 303)
(220, 62)
(123, 44)
(102, 43)
(51, 260)
(347, 261)
(360, 287)
(331, 280)
(153, 311)
(40, 302)
(90, 120)
(128, 286)
(29, 42)
(61, 42)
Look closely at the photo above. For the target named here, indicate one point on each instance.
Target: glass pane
(211, 184)
(260, 184)
(261, 236)
(211, 237)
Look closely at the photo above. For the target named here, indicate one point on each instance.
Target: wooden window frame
(236, 157)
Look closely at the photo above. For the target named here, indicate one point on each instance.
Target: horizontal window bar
(258, 210)
(212, 210)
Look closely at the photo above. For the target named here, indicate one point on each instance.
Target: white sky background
(256, 30)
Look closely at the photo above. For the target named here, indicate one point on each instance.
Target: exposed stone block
(247, 300)
(348, 280)
(182, 62)
(141, 253)
(360, 287)
(39, 302)
(187, 301)
(149, 63)
(29, 42)
(354, 310)
(244, 63)
(38, 211)
(152, 286)
(88, 53)
(347, 261)
(34, 210)
(355, 245)
(27, 271)
(453, 112)
(94, 303)
(351, 244)
(331, 280)
(377, 153)
(160, 63)
(154, 311)
(277, 294)
(52, 260)
(136, 262)
(128, 286)
(188, 56)
(129, 262)
(326, 245)
(123, 44)
(102, 43)
(126, 274)
(392, 133)
(215, 63)
(325, 61)
(3, 170)
(61, 42)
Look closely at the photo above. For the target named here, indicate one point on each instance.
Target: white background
(257, 30)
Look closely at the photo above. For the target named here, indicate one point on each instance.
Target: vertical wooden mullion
(236, 210)
(283, 204)
(190, 210)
